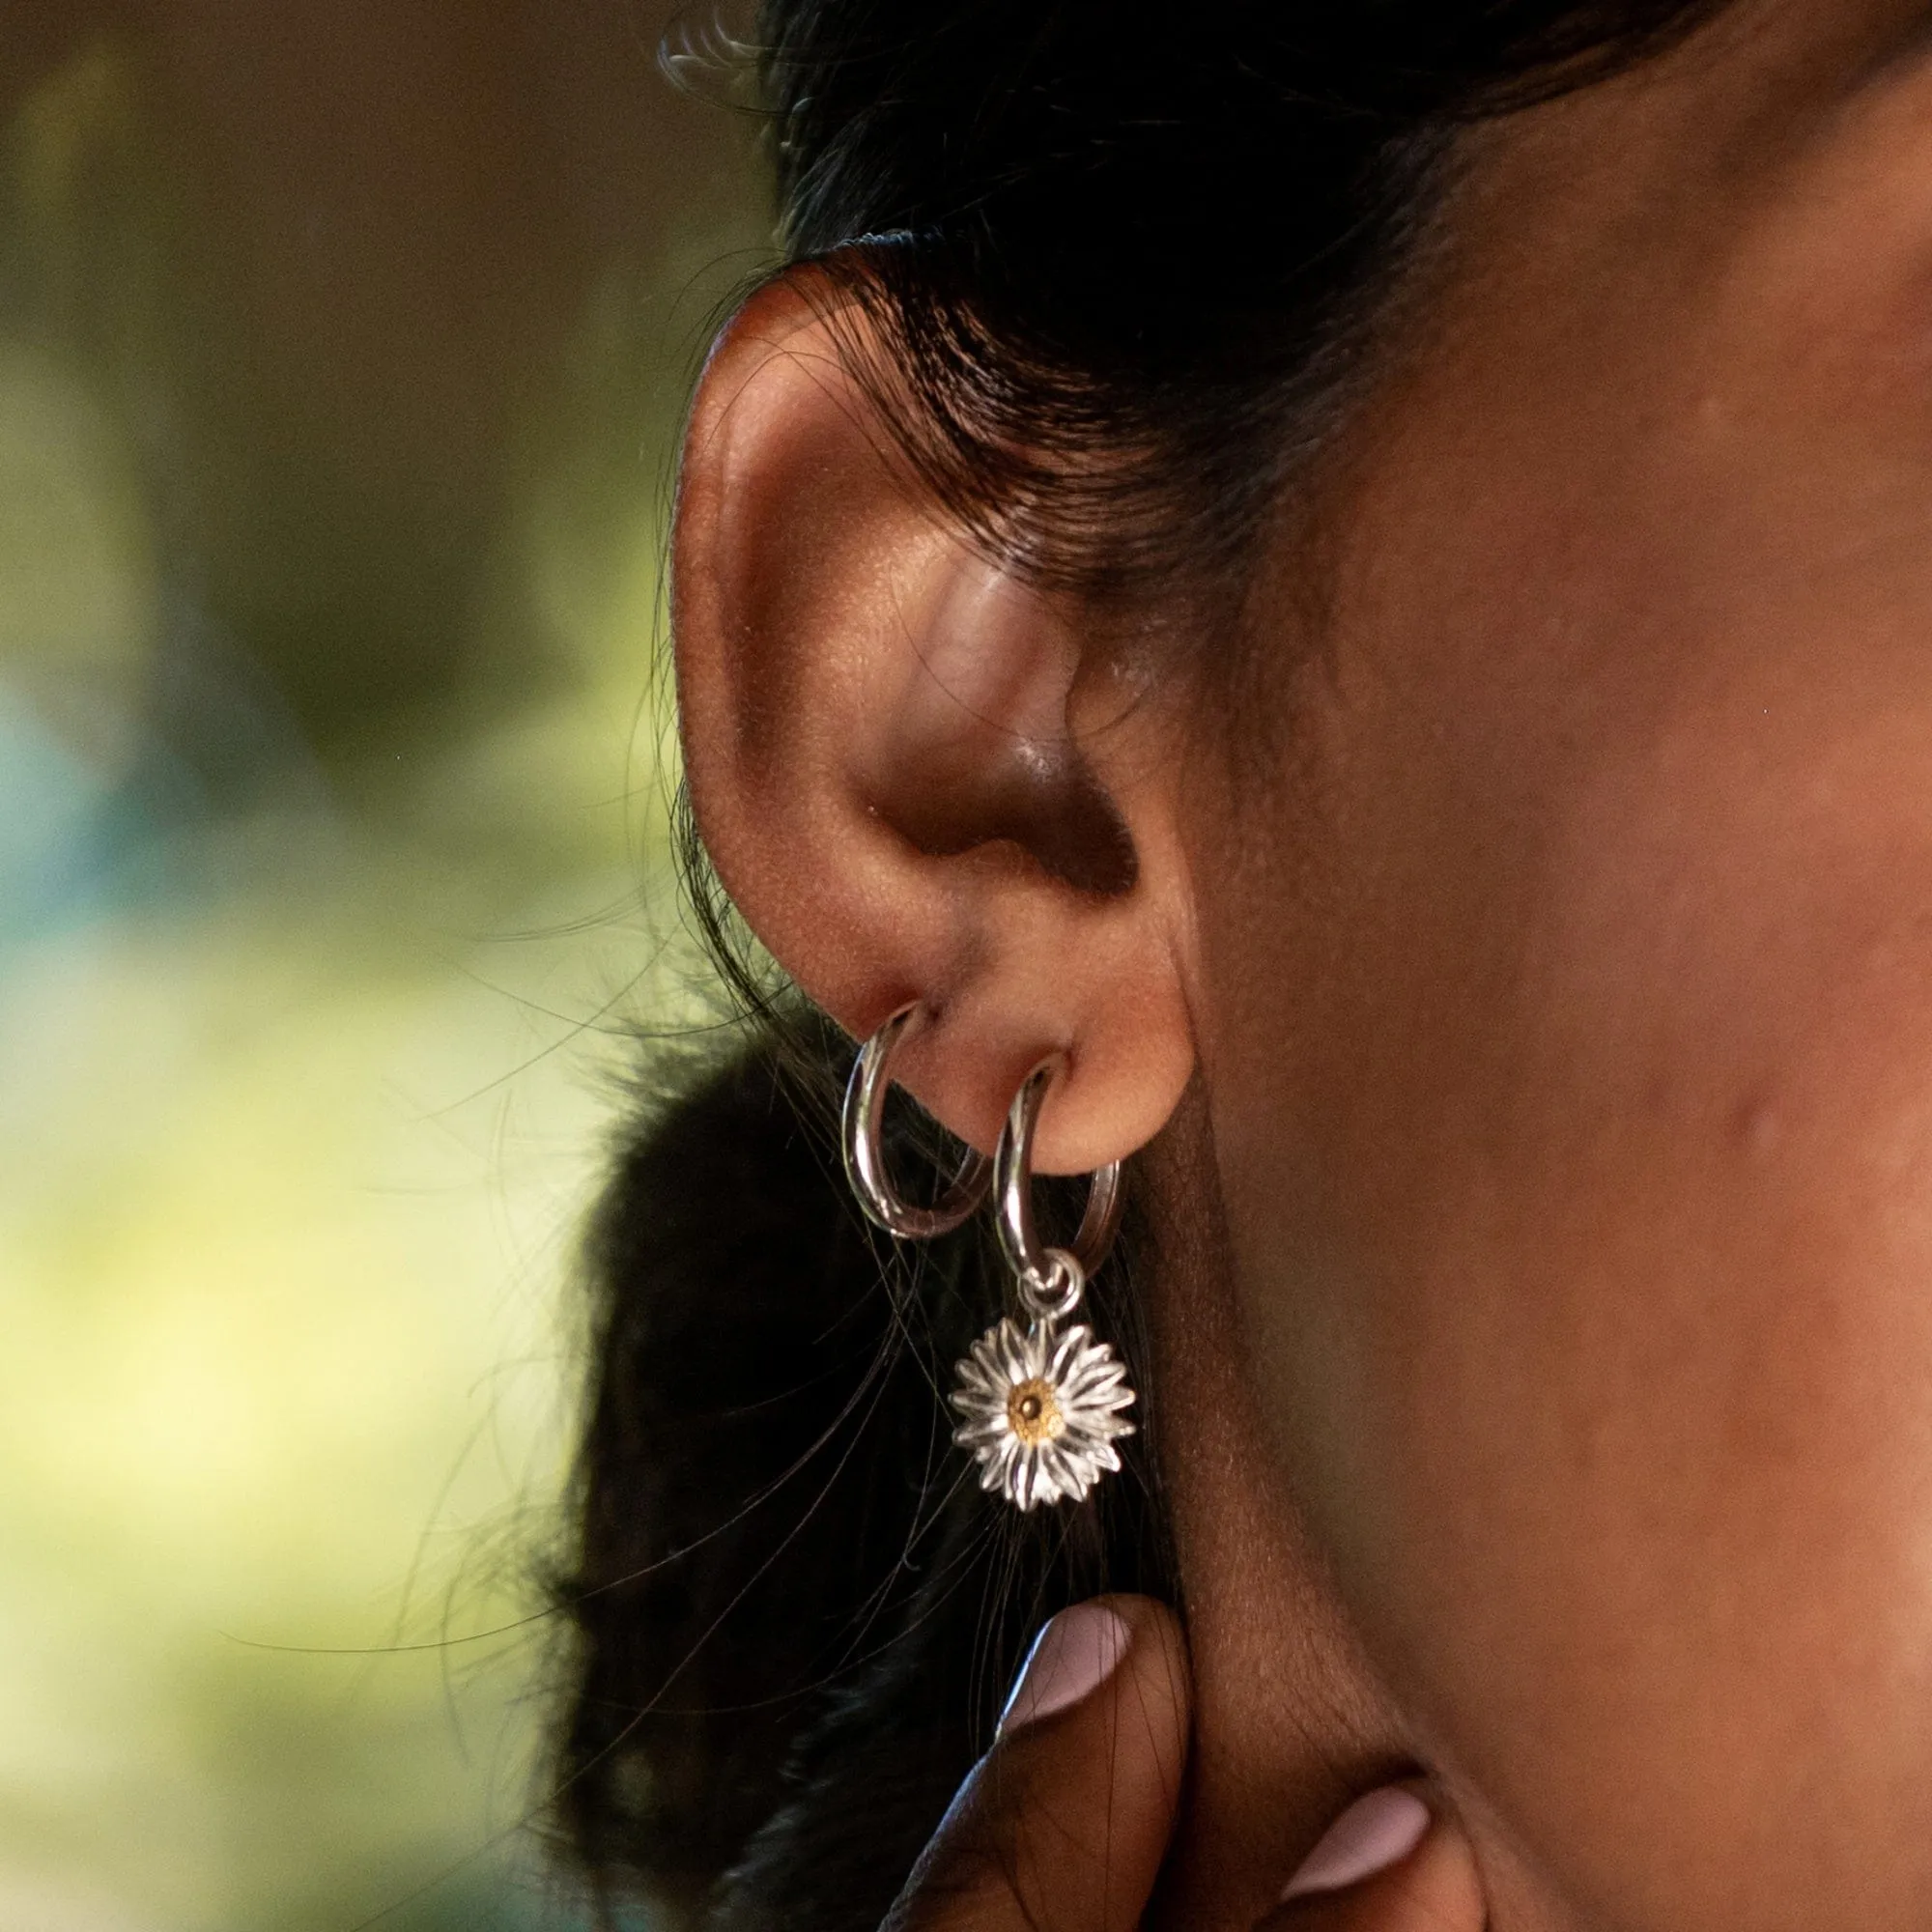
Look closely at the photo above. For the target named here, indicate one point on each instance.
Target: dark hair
(1122, 278)
(1124, 271)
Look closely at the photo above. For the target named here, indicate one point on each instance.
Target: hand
(1062, 1826)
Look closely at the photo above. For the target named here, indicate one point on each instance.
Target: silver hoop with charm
(1041, 1402)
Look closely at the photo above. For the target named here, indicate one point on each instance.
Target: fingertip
(1388, 1863)
(1381, 1829)
(1083, 1647)
(1073, 1655)
(1065, 1822)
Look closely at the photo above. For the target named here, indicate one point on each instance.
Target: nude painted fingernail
(1071, 1658)
(1376, 1831)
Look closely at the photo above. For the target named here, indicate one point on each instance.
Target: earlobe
(918, 777)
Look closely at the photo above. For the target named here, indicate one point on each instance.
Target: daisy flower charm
(1042, 1409)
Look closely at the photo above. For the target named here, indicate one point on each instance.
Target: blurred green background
(342, 346)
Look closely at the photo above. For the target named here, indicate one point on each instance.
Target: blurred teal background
(342, 347)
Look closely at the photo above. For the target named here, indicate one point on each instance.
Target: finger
(1386, 1865)
(1063, 1824)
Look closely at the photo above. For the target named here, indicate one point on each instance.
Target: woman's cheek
(1584, 1231)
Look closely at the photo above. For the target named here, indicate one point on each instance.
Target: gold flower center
(1033, 1412)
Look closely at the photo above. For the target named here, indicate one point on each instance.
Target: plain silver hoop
(1045, 1268)
(862, 1144)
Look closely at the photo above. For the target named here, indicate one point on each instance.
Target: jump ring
(1057, 1295)
(1012, 1182)
(865, 1153)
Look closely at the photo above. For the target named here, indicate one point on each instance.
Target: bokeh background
(342, 348)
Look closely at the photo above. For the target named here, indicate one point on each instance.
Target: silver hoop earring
(1043, 1402)
(862, 1142)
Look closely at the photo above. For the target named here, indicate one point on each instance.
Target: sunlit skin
(1524, 998)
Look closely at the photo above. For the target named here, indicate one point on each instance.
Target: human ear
(922, 780)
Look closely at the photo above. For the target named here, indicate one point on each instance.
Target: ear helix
(1041, 1400)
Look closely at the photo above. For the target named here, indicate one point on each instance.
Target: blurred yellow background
(341, 351)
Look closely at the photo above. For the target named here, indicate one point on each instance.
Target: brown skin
(1539, 1003)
